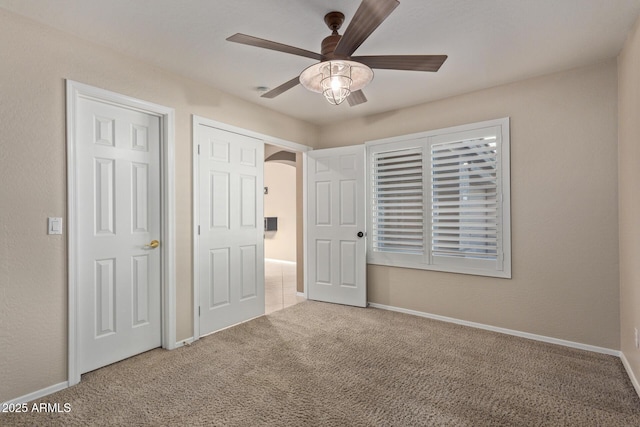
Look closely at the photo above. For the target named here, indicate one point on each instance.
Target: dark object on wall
(271, 223)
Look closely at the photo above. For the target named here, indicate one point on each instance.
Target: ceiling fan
(338, 75)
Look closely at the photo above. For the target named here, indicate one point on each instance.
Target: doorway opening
(283, 243)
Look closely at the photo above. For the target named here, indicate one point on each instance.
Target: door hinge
(198, 311)
(198, 149)
(198, 230)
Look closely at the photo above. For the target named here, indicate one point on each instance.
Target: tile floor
(279, 285)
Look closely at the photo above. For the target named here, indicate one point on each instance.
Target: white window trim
(426, 262)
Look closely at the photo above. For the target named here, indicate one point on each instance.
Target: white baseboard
(184, 342)
(282, 261)
(231, 326)
(37, 394)
(528, 335)
(632, 376)
(301, 294)
(61, 386)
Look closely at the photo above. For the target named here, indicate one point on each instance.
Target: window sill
(503, 274)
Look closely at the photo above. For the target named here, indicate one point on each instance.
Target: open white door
(230, 244)
(336, 244)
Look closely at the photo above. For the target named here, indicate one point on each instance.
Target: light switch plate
(54, 225)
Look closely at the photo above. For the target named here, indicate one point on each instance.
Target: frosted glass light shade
(336, 79)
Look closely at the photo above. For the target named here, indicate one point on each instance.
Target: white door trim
(267, 139)
(76, 91)
(305, 212)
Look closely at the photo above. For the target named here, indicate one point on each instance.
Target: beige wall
(33, 289)
(629, 195)
(563, 203)
(281, 203)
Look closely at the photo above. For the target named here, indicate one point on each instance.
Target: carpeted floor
(323, 364)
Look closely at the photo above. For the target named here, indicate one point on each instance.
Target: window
(440, 200)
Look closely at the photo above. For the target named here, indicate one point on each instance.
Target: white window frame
(502, 266)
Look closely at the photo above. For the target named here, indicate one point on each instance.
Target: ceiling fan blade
(282, 88)
(367, 18)
(268, 44)
(403, 62)
(356, 98)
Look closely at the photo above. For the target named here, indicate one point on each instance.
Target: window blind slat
(401, 241)
(439, 184)
(464, 146)
(491, 201)
(396, 154)
(464, 239)
(487, 174)
(417, 163)
(401, 211)
(397, 192)
(471, 191)
(467, 226)
(399, 207)
(383, 198)
(388, 186)
(467, 164)
(408, 218)
(385, 175)
(467, 232)
(477, 159)
(463, 210)
(486, 246)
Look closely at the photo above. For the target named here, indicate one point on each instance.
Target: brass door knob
(154, 244)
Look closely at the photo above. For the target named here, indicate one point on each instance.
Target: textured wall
(36, 61)
(563, 204)
(629, 195)
(281, 203)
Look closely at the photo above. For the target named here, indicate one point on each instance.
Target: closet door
(230, 244)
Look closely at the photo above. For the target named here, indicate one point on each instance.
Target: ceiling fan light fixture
(336, 79)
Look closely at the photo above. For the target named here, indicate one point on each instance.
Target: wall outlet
(635, 330)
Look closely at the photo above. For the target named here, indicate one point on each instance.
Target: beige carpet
(322, 364)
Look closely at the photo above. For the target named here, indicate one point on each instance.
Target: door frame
(74, 92)
(197, 121)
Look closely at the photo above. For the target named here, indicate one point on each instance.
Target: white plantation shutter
(440, 200)
(464, 198)
(398, 201)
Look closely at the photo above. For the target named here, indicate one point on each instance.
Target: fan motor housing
(329, 45)
(334, 21)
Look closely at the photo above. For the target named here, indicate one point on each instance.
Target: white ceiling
(489, 42)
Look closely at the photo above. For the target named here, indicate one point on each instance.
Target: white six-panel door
(230, 244)
(118, 214)
(336, 246)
